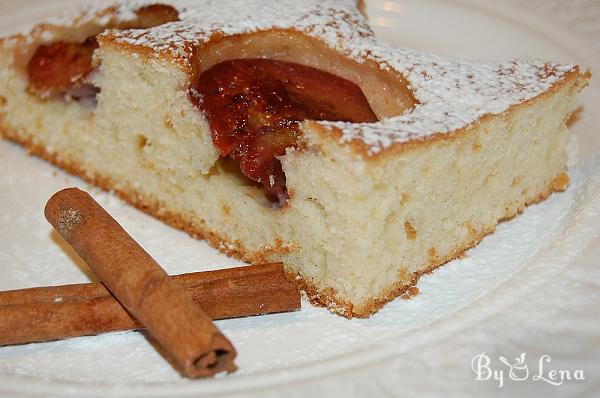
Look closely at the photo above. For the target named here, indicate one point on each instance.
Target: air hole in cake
(411, 232)
(142, 142)
(64, 69)
(255, 106)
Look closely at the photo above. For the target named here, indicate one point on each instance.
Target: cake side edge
(319, 297)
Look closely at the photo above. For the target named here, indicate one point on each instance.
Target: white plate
(530, 287)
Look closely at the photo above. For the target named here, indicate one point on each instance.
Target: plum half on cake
(285, 131)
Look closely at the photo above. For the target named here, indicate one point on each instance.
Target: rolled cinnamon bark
(58, 312)
(197, 347)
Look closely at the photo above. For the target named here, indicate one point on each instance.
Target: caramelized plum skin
(155, 15)
(254, 107)
(61, 67)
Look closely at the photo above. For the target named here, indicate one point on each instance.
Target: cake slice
(285, 131)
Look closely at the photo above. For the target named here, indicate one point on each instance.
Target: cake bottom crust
(330, 300)
(324, 298)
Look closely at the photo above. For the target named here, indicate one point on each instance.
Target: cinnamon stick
(52, 313)
(142, 287)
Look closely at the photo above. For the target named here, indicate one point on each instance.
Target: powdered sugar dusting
(101, 12)
(452, 93)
